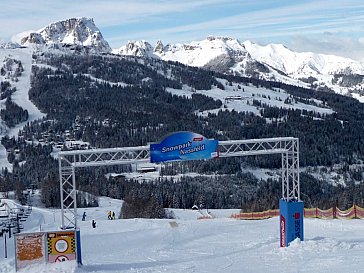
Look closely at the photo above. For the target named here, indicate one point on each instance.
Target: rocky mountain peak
(136, 48)
(73, 31)
(33, 38)
(159, 47)
(221, 38)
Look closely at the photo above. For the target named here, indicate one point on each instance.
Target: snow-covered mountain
(270, 62)
(343, 75)
(226, 55)
(9, 45)
(137, 48)
(74, 31)
(194, 54)
(217, 53)
(305, 63)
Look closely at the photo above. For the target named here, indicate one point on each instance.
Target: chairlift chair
(4, 211)
(4, 214)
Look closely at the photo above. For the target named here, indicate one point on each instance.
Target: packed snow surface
(188, 245)
(244, 97)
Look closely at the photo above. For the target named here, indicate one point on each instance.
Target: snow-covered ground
(240, 98)
(221, 244)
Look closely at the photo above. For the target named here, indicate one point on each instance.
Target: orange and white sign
(29, 249)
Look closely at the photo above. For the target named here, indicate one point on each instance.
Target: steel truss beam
(288, 147)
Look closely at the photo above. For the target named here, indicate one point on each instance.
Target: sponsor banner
(29, 249)
(61, 246)
(183, 146)
(291, 221)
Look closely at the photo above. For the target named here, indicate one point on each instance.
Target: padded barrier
(355, 212)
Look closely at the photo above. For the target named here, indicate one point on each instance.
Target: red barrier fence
(332, 213)
(256, 215)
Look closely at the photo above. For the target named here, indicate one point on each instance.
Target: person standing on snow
(84, 216)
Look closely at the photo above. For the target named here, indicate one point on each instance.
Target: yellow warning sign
(62, 242)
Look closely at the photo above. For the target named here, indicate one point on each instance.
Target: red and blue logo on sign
(297, 224)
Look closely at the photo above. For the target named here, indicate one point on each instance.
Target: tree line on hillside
(13, 114)
(106, 114)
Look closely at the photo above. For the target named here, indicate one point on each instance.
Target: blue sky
(332, 27)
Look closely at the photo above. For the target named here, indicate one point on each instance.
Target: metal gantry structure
(68, 161)
(288, 147)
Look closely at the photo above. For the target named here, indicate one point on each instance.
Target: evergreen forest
(111, 101)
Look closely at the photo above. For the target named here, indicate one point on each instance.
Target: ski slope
(190, 245)
(20, 96)
(246, 95)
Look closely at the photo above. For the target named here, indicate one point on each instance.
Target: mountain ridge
(270, 62)
(273, 62)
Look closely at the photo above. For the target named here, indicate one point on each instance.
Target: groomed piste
(186, 244)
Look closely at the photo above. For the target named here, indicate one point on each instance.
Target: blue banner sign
(183, 146)
(291, 221)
